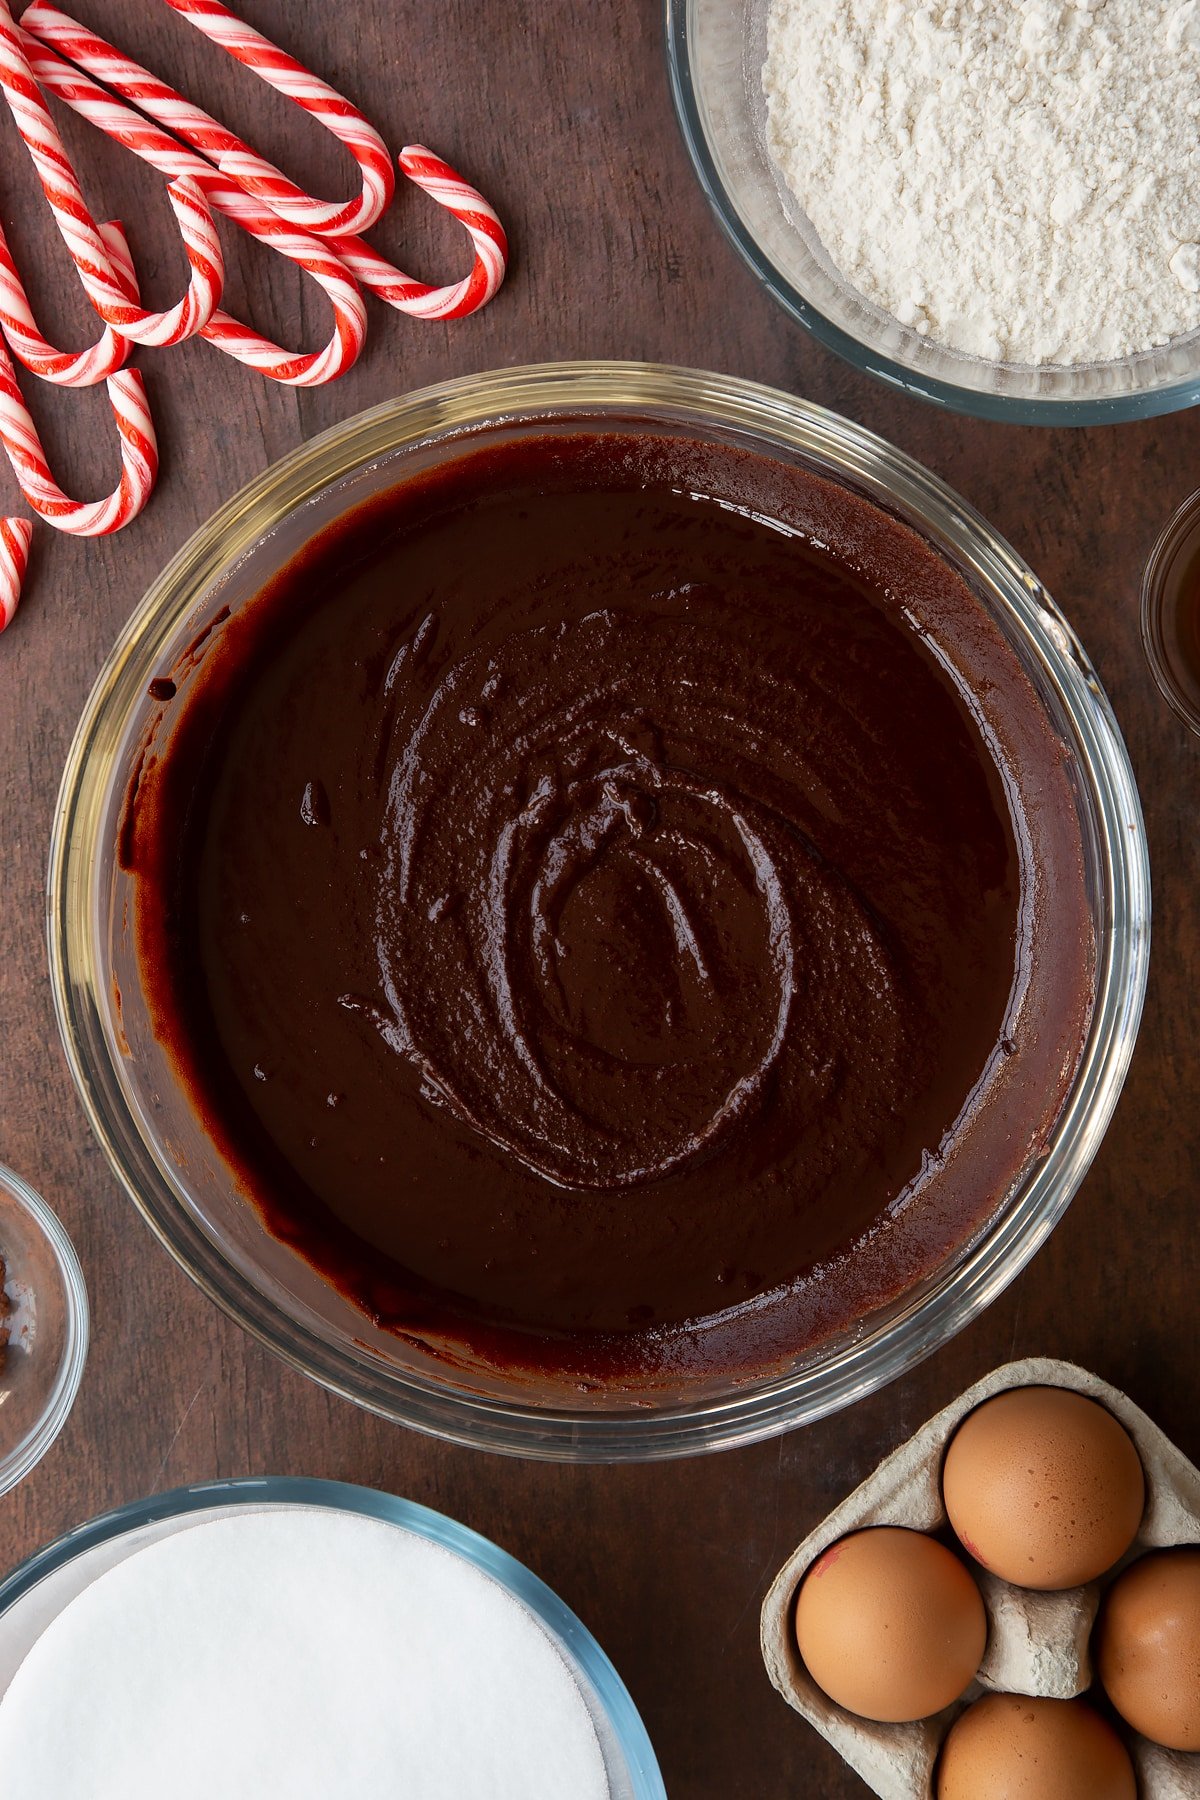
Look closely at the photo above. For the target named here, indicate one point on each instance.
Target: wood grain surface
(561, 114)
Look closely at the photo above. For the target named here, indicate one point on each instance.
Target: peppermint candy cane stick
(16, 535)
(198, 128)
(472, 211)
(117, 245)
(251, 171)
(65, 368)
(149, 142)
(139, 457)
(79, 230)
(161, 103)
(221, 146)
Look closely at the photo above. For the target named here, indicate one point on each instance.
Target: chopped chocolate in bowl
(43, 1328)
(617, 903)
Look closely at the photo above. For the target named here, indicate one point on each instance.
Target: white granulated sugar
(1018, 179)
(296, 1654)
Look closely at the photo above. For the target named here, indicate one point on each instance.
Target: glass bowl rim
(748, 1412)
(25, 1455)
(1183, 523)
(423, 1521)
(1173, 396)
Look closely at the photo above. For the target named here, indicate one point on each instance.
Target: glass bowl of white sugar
(993, 207)
(313, 1638)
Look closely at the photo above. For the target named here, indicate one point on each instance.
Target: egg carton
(1037, 1642)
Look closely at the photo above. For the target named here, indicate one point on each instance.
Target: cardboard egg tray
(1037, 1642)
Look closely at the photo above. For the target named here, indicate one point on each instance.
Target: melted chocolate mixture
(581, 902)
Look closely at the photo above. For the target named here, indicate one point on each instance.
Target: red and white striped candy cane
(234, 158)
(472, 211)
(16, 535)
(139, 457)
(148, 141)
(161, 103)
(79, 230)
(120, 256)
(243, 165)
(65, 368)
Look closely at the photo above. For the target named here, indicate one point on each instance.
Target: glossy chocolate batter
(598, 920)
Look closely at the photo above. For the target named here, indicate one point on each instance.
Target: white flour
(1019, 179)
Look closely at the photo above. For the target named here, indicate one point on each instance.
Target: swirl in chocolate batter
(618, 911)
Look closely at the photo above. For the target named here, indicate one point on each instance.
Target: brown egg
(1043, 1487)
(1009, 1747)
(890, 1624)
(1148, 1647)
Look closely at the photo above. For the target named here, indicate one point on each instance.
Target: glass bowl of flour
(992, 206)
(287, 1639)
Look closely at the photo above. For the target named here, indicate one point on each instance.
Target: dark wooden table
(561, 114)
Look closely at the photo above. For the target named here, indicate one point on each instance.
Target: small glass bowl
(1174, 559)
(147, 1126)
(39, 1589)
(47, 1324)
(715, 52)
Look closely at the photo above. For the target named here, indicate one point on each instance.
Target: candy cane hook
(65, 368)
(139, 457)
(472, 211)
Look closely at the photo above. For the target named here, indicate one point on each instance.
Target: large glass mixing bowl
(157, 1146)
(715, 51)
